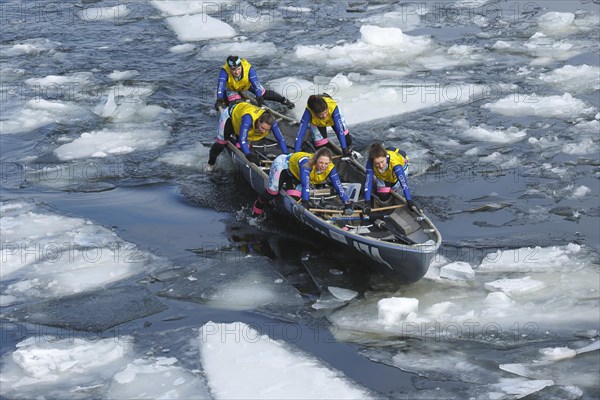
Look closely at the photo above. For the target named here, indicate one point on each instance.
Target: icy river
(127, 272)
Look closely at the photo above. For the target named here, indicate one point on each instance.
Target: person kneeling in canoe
(388, 166)
(306, 168)
(242, 123)
(236, 76)
(322, 111)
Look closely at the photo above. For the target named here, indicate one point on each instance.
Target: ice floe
(564, 107)
(361, 101)
(242, 363)
(48, 255)
(574, 78)
(191, 28)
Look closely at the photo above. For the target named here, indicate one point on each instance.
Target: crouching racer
(388, 166)
(237, 76)
(244, 123)
(306, 168)
(322, 111)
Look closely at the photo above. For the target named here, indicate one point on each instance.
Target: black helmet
(234, 61)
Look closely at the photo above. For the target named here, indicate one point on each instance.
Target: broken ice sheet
(518, 387)
(242, 363)
(341, 293)
(157, 378)
(244, 285)
(557, 363)
(334, 297)
(93, 312)
(458, 270)
(515, 287)
(63, 368)
(65, 255)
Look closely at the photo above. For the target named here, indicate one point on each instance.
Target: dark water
(197, 224)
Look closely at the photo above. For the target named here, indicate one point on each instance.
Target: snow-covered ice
(242, 363)
(48, 255)
(564, 107)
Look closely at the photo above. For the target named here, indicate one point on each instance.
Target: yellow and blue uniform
(318, 126)
(237, 124)
(294, 166)
(243, 120)
(392, 178)
(228, 85)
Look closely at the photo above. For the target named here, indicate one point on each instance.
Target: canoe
(398, 241)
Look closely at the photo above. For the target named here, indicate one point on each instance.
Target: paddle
(270, 161)
(324, 210)
(393, 230)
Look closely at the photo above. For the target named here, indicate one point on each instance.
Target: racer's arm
(339, 128)
(304, 178)
(221, 84)
(399, 171)
(243, 135)
(306, 118)
(368, 181)
(277, 133)
(337, 184)
(259, 90)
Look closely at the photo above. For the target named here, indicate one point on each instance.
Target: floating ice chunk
(258, 21)
(39, 113)
(520, 387)
(482, 133)
(241, 363)
(498, 158)
(556, 353)
(499, 300)
(125, 104)
(327, 304)
(157, 378)
(189, 28)
(440, 310)
(126, 139)
(501, 45)
(392, 310)
(565, 106)
(58, 255)
(115, 14)
(399, 19)
(530, 259)
(227, 287)
(28, 47)
(251, 50)
(382, 37)
(7, 300)
(582, 147)
(182, 48)
(362, 101)
(517, 369)
(66, 83)
(341, 293)
(192, 156)
(557, 23)
(91, 311)
(461, 51)
(515, 287)
(580, 191)
(590, 347)
(574, 79)
(183, 7)
(377, 46)
(296, 9)
(51, 360)
(123, 75)
(457, 271)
